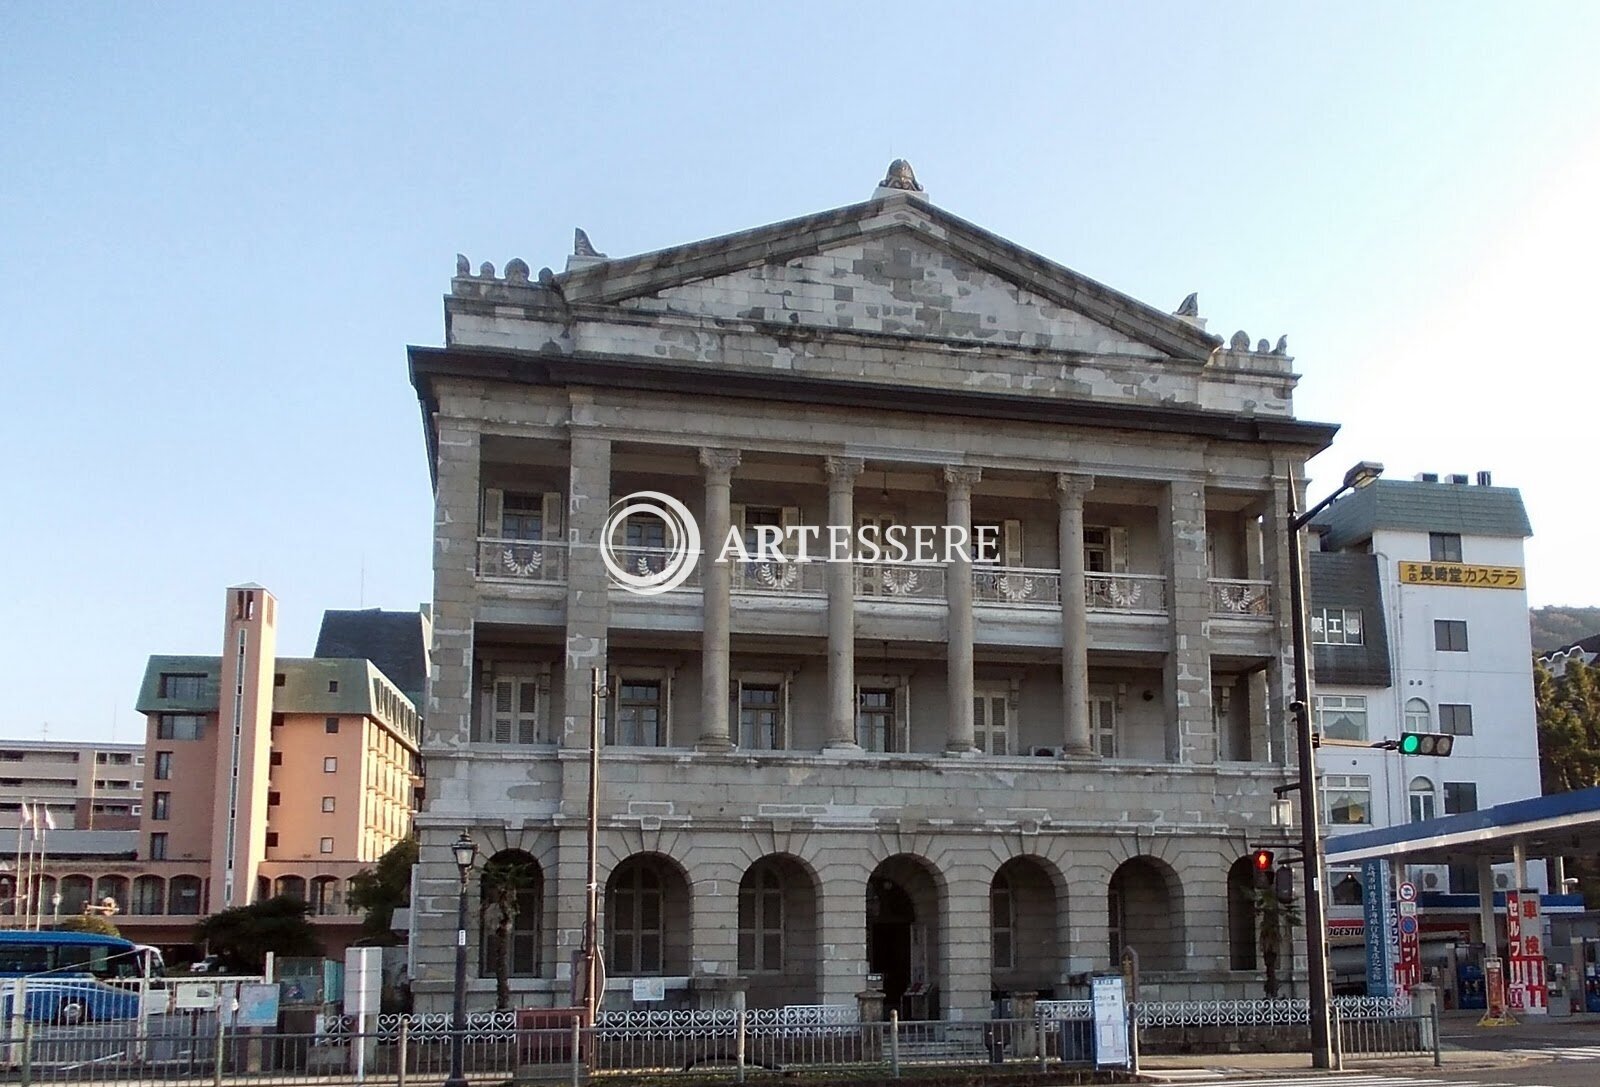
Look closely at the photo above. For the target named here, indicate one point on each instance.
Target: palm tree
(1275, 920)
(506, 879)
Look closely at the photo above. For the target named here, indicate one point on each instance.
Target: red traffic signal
(1261, 867)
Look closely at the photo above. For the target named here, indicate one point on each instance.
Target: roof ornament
(1240, 341)
(1283, 346)
(582, 246)
(463, 265)
(486, 269)
(1189, 307)
(517, 271)
(900, 176)
(1262, 347)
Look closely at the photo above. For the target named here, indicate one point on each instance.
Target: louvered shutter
(494, 504)
(902, 717)
(551, 515)
(503, 711)
(791, 518)
(1119, 551)
(1011, 540)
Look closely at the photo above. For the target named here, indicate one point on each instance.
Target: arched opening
(1242, 915)
(778, 932)
(1144, 907)
(1418, 718)
(1347, 890)
(115, 888)
(291, 887)
(75, 893)
(183, 896)
(1024, 928)
(903, 909)
(510, 901)
(1421, 797)
(325, 898)
(648, 917)
(149, 895)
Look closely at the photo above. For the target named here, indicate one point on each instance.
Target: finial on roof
(1283, 346)
(463, 265)
(516, 270)
(582, 246)
(1189, 307)
(1240, 341)
(1262, 346)
(486, 269)
(900, 176)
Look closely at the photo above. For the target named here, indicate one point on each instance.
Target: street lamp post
(1310, 829)
(466, 851)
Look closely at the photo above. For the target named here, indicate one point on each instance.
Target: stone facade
(949, 781)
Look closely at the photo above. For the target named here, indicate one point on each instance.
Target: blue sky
(220, 226)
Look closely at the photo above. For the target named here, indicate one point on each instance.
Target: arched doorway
(1024, 928)
(903, 908)
(648, 923)
(1241, 915)
(291, 887)
(778, 932)
(1144, 910)
(149, 895)
(114, 888)
(75, 894)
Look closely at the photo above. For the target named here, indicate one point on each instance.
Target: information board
(1110, 1022)
(1525, 983)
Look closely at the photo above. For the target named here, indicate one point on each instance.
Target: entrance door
(890, 918)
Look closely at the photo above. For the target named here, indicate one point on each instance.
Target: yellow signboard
(1461, 574)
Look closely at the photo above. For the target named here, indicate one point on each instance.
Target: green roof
(1461, 508)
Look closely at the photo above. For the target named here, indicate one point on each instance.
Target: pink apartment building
(262, 775)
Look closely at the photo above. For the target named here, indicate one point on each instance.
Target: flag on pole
(24, 813)
(49, 820)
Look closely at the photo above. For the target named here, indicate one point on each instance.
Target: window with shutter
(993, 727)
(513, 712)
(1105, 550)
(1103, 725)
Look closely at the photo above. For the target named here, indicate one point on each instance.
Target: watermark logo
(682, 538)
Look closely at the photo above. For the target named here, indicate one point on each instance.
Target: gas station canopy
(1542, 826)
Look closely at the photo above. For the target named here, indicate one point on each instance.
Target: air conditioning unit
(1427, 477)
(1431, 881)
(1485, 479)
(1502, 881)
(1047, 752)
(1454, 478)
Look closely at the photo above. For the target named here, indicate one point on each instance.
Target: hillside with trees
(1555, 627)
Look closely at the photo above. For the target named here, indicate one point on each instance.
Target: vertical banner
(1377, 917)
(1408, 967)
(1527, 991)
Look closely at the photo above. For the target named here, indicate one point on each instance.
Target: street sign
(1375, 912)
(1408, 892)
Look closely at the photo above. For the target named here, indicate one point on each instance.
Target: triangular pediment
(896, 266)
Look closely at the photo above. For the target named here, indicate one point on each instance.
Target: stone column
(842, 473)
(588, 586)
(958, 484)
(1192, 732)
(1071, 488)
(841, 929)
(716, 582)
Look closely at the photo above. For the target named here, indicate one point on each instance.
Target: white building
(1419, 619)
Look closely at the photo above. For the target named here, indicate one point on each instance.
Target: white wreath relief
(900, 583)
(1124, 594)
(522, 569)
(767, 573)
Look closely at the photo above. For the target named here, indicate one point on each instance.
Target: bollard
(894, 1043)
(1435, 1010)
(577, 1042)
(216, 1075)
(27, 1053)
(738, 1045)
(403, 1048)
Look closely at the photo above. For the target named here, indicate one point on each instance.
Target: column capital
(961, 477)
(843, 470)
(1073, 486)
(719, 462)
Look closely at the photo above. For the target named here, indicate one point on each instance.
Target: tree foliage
(384, 888)
(242, 936)
(1568, 709)
(88, 922)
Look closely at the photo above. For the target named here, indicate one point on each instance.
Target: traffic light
(1283, 885)
(1261, 866)
(1426, 743)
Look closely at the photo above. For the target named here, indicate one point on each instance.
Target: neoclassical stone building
(955, 780)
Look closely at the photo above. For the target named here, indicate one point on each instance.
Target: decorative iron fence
(537, 561)
(1016, 587)
(1144, 594)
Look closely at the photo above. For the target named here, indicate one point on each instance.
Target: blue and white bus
(68, 975)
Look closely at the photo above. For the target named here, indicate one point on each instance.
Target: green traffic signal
(1437, 744)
